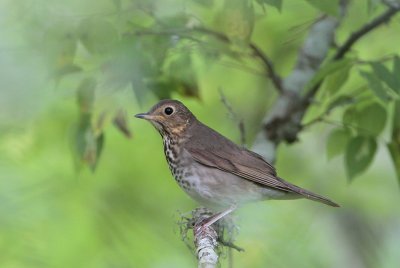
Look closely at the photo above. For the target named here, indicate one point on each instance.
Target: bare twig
(276, 80)
(235, 117)
(355, 36)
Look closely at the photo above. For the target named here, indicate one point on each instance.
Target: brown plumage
(211, 168)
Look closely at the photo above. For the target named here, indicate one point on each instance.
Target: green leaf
(394, 149)
(394, 144)
(88, 145)
(85, 94)
(131, 64)
(340, 101)
(368, 120)
(335, 81)
(328, 69)
(163, 88)
(396, 121)
(99, 149)
(61, 46)
(236, 19)
(376, 86)
(97, 35)
(385, 75)
(121, 123)
(182, 72)
(372, 119)
(396, 73)
(65, 70)
(336, 143)
(349, 116)
(330, 7)
(274, 3)
(360, 152)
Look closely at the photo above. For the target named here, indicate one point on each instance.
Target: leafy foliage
(337, 142)
(394, 144)
(274, 3)
(158, 55)
(88, 143)
(92, 64)
(359, 154)
(327, 6)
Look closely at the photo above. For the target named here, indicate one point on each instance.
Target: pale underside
(216, 188)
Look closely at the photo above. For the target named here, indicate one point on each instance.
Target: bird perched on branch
(212, 169)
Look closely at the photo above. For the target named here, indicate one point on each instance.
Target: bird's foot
(206, 223)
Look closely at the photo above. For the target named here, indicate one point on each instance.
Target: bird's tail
(312, 196)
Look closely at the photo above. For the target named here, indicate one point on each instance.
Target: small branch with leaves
(283, 122)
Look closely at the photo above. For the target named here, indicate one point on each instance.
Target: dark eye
(168, 110)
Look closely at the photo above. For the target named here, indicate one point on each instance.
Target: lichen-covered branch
(208, 242)
(205, 240)
(282, 122)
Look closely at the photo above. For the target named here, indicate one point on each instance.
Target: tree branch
(283, 121)
(205, 240)
(276, 80)
(235, 117)
(355, 36)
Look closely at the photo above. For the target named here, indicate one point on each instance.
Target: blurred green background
(56, 212)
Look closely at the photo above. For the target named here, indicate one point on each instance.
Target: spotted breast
(179, 169)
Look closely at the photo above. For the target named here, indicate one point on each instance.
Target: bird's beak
(144, 116)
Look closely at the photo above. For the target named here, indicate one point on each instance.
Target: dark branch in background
(355, 36)
(352, 39)
(234, 117)
(276, 80)
(284, 121)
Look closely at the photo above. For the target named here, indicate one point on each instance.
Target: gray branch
(205, 240)
(209, 242)
(283, 121)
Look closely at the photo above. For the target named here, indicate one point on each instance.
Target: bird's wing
(218, 152)
(242, 166)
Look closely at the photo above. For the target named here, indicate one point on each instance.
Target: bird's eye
(168, 110)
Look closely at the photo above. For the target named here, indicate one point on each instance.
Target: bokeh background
(118, 206)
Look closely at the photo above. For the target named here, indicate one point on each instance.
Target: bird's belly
(216, 188)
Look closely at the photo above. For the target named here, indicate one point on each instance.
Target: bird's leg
(216, 217)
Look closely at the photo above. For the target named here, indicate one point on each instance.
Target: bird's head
(169, 117)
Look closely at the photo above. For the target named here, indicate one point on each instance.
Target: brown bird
(212, 169)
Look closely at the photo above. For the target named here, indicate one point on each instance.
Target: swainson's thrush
(212, 169)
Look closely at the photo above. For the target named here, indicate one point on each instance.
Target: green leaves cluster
(384, 83)
(88, 142)
(365, 120)
(88, 135)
